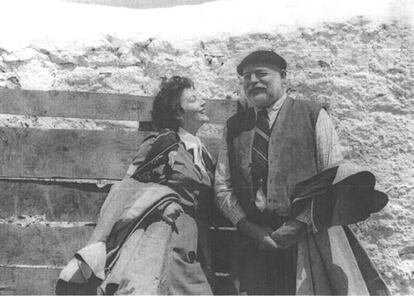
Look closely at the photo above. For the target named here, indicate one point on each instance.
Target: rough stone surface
(363, 71)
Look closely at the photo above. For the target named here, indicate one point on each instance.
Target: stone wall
(364, 71)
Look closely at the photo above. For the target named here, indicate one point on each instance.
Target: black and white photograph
(207, 147)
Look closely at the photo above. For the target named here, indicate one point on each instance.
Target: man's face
(262, 84)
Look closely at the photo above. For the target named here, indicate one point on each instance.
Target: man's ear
(283, 74)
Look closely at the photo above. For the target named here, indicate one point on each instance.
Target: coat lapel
(283, 112)
(245, 144)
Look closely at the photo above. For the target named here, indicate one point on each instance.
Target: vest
(291, 154)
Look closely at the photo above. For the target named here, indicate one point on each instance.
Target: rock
(158, 45)
(102, 59)
(20, 56)
(130, 80)
(36, 75)
(185, 61)
(387, 103)
(128, 59)
(63, 58)
(82, 75)
(3, 66)
(9, 80)
(323, 64)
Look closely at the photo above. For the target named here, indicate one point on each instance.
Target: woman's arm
(153, 148)
(141, 155)
(152, 157)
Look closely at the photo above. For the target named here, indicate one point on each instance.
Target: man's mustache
(256, 88)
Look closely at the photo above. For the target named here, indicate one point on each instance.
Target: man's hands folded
(285, 236)
(289, 233)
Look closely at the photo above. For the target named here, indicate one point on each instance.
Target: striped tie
(259, 153)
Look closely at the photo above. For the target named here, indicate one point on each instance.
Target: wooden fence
(65, 175)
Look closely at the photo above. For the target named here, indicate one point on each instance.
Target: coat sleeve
(140, 156)
(152, 156)
(328, 152)
(328, 148)
(226, 200)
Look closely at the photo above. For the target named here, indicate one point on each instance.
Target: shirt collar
(189, 140)
(193, 143)
(275, 106)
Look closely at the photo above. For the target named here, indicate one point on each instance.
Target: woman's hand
(172, 212)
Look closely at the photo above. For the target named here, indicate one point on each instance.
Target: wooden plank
(89, 154)
(94, 105)
(41, 280)
(28, 280)
(57, 201)
(72, 104)
(79, 154)
(40, 244)
(54, 246)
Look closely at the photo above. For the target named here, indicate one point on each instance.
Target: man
(267, 150)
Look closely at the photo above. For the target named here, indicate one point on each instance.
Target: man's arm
(224, 194)
(328, 148)
(328, 151)
(228, 203)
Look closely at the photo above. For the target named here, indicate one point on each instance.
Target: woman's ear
(178, 113)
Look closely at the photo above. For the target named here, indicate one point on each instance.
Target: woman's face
(193, 106)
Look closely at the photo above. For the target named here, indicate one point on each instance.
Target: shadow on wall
(141, 4)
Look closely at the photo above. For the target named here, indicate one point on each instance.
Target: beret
(262, 56)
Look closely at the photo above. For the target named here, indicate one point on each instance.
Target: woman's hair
(166, 109)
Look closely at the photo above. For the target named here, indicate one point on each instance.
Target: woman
(151, 236)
